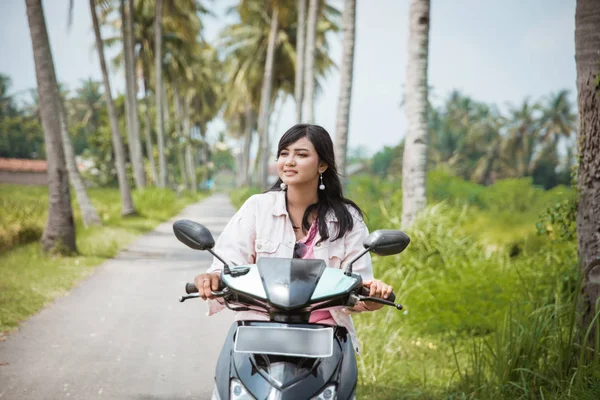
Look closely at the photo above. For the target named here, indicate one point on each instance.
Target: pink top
(319, 316)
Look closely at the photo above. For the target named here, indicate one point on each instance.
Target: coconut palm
(265, 99)
(87, 104)
(59, 233)
(557, 123)
(133, 130)
(309, 59)
(88, 212)
(244, 46)
(300, 42)
(7, 107)
(158, 95)
(415, 150)
(522, 138)
(127, 206)
(587, 59)
(345, 95)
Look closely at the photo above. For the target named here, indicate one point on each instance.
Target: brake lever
(218, 293)
(380, 301)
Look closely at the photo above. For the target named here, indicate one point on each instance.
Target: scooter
(287, 357)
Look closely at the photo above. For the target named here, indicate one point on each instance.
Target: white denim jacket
(262, 228)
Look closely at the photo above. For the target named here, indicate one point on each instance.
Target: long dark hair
(330, 199)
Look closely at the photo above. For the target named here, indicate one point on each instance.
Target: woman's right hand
(207, 283)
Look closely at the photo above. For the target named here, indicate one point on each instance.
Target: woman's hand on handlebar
(379, 290)
(207, 283)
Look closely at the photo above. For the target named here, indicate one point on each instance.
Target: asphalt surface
(121, 333)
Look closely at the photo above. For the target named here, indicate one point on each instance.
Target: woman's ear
(323, 167)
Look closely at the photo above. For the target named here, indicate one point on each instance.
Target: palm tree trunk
(309, 73)
(160, 129)
(178, 121)
(587, 58)
(127, 207)
(189, 159)
(88, 212)
(133, 129)
(247, 144)
(168, 130)
(415, 150)
(300, 39)
(148, 130)
(265, 98)
(345, 96)
(180, 151)
(59, 233)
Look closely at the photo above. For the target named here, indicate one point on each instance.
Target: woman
(304, 215)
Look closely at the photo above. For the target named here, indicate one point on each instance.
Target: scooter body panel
(284, 377)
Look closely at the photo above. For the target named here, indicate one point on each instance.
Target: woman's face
(298, 164)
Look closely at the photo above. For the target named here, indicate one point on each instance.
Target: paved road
(121, 333)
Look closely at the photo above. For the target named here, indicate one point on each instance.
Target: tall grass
(490, 305)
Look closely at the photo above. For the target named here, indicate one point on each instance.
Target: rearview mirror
(193, 235)
(385, 242)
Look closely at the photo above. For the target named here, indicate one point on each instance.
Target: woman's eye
(301, 155)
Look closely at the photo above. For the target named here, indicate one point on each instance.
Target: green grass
(31, 279)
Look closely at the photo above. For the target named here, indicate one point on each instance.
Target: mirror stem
(225, 266)
(348, 271)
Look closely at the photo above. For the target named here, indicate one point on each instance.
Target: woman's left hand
(376, 289)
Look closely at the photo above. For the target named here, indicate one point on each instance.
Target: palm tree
(557, 122)
(59, 233)
(7, 107)
(587, 59)
(523, 137)
(133, 129)
(88, 104)
(300, 40)
(158, 95)
(88, 212)
(127, 207)
(345, 95)
(265, 98)
(309, 77)
(415, 150)
(244, 47)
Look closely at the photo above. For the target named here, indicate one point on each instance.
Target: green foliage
(30, 278)
(239, 196)
(559, 220)
(223, 159)
(23, 214)
(21, 137)
(490, 304)
(444, 186)
(387, 161)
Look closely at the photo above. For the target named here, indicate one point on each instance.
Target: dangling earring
(283, 186)
(321, 186)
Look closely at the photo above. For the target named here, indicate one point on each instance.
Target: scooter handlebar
(190, 287)
(364, 291)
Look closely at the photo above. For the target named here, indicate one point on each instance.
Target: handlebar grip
(190, 288)
(364, 291)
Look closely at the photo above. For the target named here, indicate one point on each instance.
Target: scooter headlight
(327, 394)
(237, 391)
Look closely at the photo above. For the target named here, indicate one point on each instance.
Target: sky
(499, 52)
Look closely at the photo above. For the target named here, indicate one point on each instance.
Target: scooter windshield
(290, 283)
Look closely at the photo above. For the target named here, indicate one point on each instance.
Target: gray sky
(495, 51)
